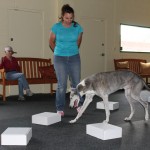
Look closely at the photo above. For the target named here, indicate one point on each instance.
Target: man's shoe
(28, 92)
(21, 98)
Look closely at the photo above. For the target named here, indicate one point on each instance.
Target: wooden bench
(134, 65)
(36, 71)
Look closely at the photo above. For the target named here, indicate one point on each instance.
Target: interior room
(110, 42)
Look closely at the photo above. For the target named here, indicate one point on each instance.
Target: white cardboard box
(112, 105)
(16, 136)
(46, 118)
(145, 95)
(149, 99)
(104, 131)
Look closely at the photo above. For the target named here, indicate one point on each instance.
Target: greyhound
(103, 84)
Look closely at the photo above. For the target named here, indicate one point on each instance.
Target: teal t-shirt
(66, 39)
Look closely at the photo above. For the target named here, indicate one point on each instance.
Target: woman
(65, 39)
(12, 69)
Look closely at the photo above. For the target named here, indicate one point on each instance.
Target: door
(26, 37)
(26, 33)
(93, 46)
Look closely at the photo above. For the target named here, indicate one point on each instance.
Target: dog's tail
(144, 83)
(146, 86)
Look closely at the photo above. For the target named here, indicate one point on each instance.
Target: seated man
(12, 68)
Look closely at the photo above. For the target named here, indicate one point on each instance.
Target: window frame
(133, 51)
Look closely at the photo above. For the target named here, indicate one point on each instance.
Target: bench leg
(4, 93)
(51, 88)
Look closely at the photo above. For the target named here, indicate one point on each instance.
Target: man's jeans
(66, 67)
(22, 82)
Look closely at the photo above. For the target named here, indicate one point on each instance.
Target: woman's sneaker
(28, 92)
(61, 113)
(21, 98)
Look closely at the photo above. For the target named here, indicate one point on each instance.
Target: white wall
(134, 12)
(97, 9)
(48, 9)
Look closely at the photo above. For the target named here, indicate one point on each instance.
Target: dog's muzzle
(74, 101)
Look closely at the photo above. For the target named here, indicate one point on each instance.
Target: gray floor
(65, 136)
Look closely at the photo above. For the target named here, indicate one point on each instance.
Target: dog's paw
(127, 119)
(146, 117)
(105, 121)
(72, 121)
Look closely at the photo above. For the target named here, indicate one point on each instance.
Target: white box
(149, 99)
(104, 131)
(145, 95)
(46, 118)
(16, 136)
(112, 105)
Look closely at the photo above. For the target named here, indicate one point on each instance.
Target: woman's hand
(52, 38)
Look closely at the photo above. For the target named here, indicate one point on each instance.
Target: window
(134, 38)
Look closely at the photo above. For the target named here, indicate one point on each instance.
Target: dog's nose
(70, 107)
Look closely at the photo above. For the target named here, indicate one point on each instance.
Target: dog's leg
(88, 100)
(132, 95)
(129, 99)
(143, 103)
(106, 105)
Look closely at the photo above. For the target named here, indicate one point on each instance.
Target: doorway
(26, 32)
(93, 46)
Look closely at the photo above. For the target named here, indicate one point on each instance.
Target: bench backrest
(134, 64)
(29, 66)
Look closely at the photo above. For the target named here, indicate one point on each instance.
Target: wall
(48, 9)
(96, 9)
(134, 12)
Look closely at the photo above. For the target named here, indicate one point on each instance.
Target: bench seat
(36, 71)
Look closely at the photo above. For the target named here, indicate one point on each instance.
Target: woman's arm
(79, 39)
(52, 38)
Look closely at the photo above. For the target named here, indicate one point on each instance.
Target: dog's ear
(87, 83)
(80, 87)
(83, 87)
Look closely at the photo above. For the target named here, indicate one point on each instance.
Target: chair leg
(146, 80)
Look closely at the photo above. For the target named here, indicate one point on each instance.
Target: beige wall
(134, 12)
(47, 7)
(114, 12)
(97, 9)
(49, 11)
